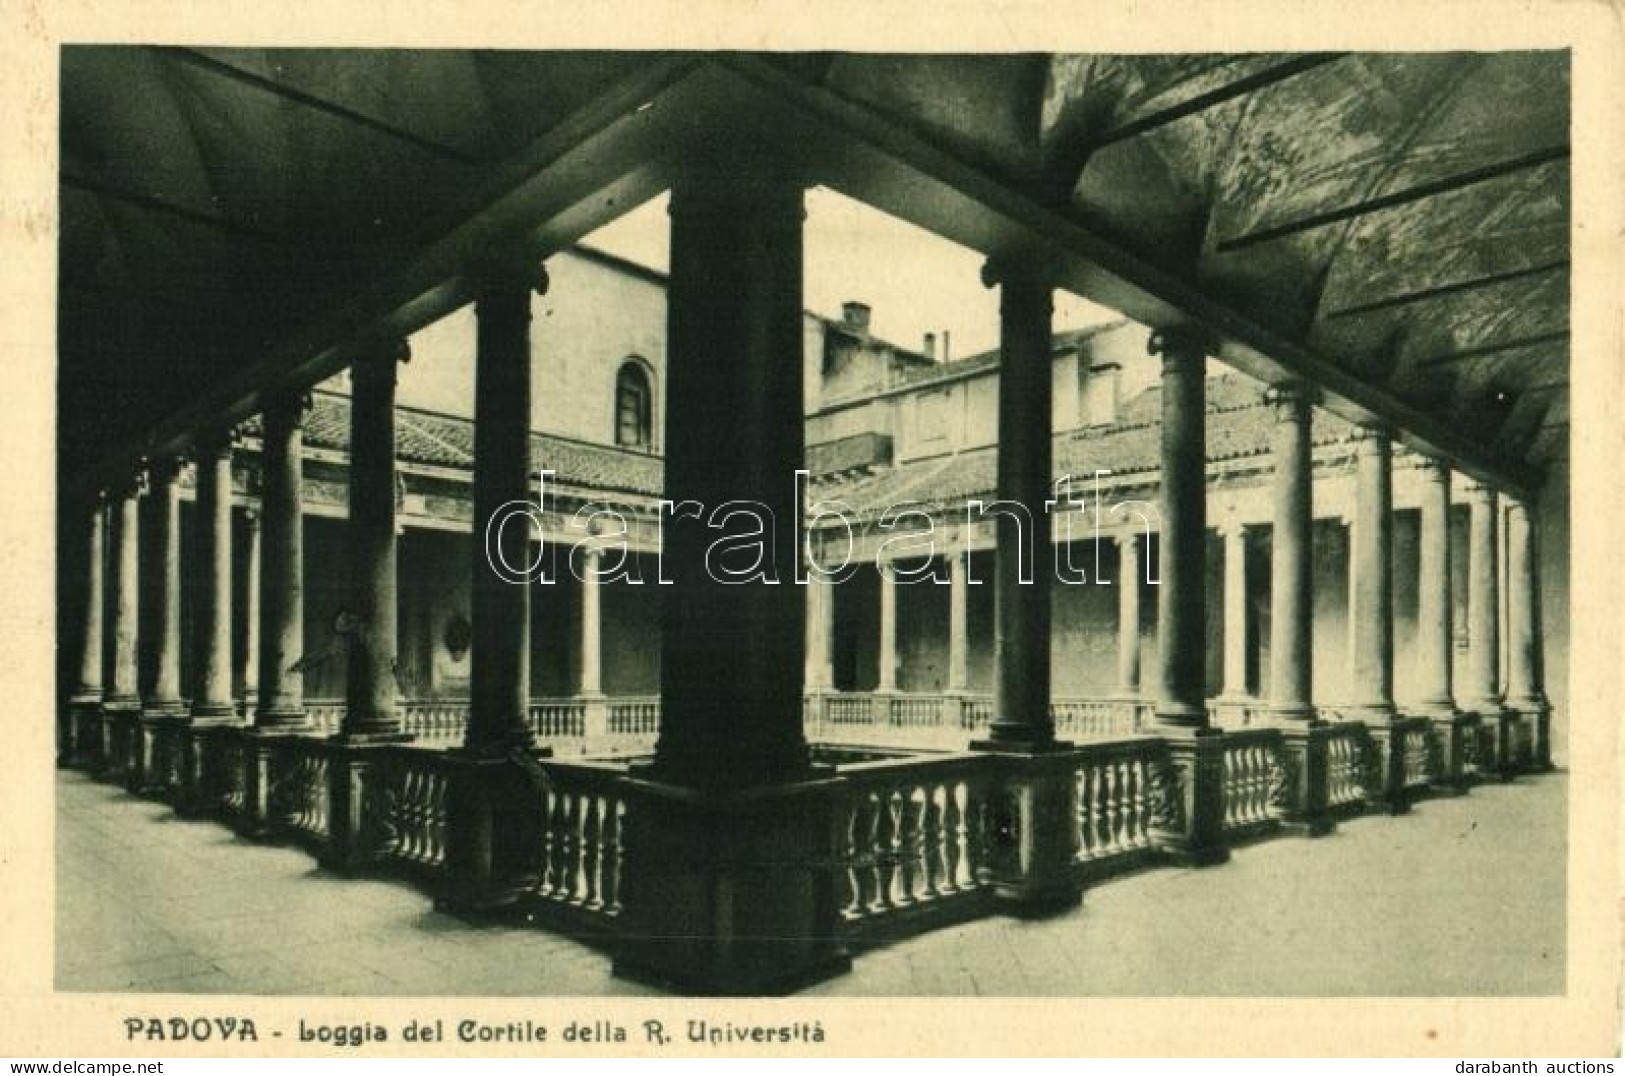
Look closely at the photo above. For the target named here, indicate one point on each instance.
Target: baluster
(589, 854)
(885, 837)
(932, 844)
(908, 845)
(863, 867)
(611, 856)
(953, 816)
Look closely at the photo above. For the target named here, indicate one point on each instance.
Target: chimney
(856, 316)
(928, 347)
(947, 338)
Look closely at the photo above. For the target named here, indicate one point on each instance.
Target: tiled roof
(1238, 426)
(427, 437)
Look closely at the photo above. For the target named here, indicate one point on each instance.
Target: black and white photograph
(810, 523)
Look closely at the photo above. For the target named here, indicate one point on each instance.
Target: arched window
(634, 406)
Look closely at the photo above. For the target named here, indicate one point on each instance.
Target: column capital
(166, 470)
(1372, 431)
(1291, 400)
(1178, 345)
(290, 405)
(1433, 469)
(1480, 491)
(494, 277)
(1018, 269)
(382, 356)
(216, 443)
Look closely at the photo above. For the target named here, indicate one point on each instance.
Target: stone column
(80, 738)
(1190, 814)
(251, 614)
(1235, 615)
(282, 601)
(499, 670)
(1372, 550)
(591, 625)
(1526, 690)
(493, 802)
(1435, 631)
(212, 701)
(165, 518)
(153, 745)
(1371, 623)
(886, 661)
(1181, 598)
(370, 618)
(820, 635)
(372, 710)
(730, 830)
(280, 709)
(1130, 556)
(1483, 695)
(595, 714)
(122, 703)
(1292, 558)
(1435, 628)
(958, 622)
(1021, 643)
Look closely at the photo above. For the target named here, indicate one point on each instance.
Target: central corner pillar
(372, 714)
(121, 706)
(1037, 807)
(80, 738)
(886, 652)
(1196, 748)
(730, 831)
(1455, 731)
(494, 808)
(1236, 700)
(1483, 687)
(1131, 555)
(280, 711)
(154, 759)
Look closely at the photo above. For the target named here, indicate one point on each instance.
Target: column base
(1535, 720)
(730, 893)
(117, 727)
(154, 749)
(494, 823)
(1302, 805)
(1499, 733)
(1036, 874)
(260, 744)
(1389, 794)
(82, 748)
(1237, 711)
(1454, 732)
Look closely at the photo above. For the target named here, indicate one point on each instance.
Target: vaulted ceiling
(1398, 222)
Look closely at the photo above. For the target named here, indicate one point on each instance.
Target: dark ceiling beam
(163, 205)
(1448, 289)
(1258, 80)
(1545, 386)
(1431, 189)
(900, 171)
(319, 104)
(1493, 349)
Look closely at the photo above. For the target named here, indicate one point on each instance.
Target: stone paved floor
(1464, 896)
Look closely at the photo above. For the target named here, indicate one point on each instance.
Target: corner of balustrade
(1032, 829)
(494, 825)
(1187, 795)
(731, 892)
(1301, 787)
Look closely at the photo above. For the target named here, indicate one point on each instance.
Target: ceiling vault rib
(1494, 349)
(1449, 289)
(1204, 101)
(1431, 189)
(311, 101)
(163, 205)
